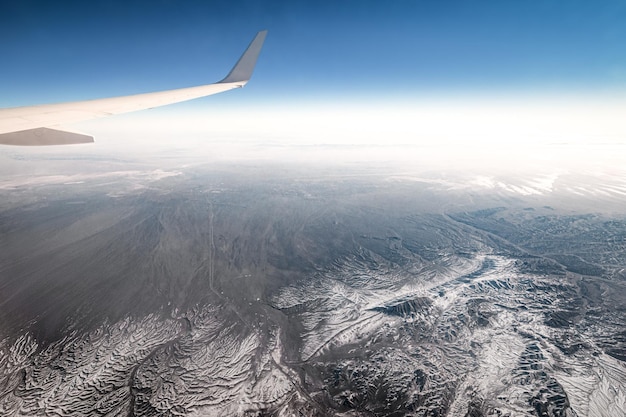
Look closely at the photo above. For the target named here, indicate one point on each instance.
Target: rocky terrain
(268, 290)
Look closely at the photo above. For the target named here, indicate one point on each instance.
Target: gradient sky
(348, 72)
(316, 50)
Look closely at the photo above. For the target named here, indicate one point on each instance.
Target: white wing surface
(39, 125)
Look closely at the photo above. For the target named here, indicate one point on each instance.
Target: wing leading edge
(39, 125)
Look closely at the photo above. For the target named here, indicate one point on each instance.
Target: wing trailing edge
(43, 136)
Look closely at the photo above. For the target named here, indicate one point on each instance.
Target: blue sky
(315, 51)
(476, 73)
(521, 85)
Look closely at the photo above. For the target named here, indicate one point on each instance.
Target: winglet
(242, 71)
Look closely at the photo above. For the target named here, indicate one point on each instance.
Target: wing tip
(242, 71)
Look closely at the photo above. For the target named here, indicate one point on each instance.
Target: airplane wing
(39, 125)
